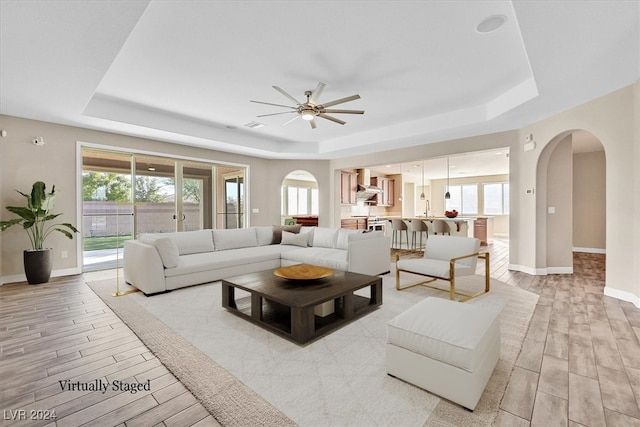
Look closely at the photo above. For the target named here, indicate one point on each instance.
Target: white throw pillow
(325, 237)
(234, 238)
(168, 251)
(300, 239)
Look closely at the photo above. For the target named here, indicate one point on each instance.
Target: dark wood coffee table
(286, 307)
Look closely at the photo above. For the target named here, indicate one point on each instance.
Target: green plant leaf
(6, 224)
(37, 195)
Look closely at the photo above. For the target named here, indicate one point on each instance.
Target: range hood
(366, 191)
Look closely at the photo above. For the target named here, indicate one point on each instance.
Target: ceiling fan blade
(333, 119)
(289, 121)
(340, 101)
(316, 93)
(276, 105)
(312, 122)
(286, 94)
(276, 114)
(343, 111)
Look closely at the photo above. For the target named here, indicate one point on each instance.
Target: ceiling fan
(310, 109)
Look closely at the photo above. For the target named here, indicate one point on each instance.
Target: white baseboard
(55, 273)
(590, 250)
(528, 270)
(559, 270)
(622, 295)
(541, 271)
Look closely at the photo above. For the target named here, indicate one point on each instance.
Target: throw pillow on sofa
(294, 239)
(278, 229)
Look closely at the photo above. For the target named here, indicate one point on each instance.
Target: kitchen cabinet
(348, 188)
(386, 198)
(354, 223)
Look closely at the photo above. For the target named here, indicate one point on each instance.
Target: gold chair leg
(486, 272)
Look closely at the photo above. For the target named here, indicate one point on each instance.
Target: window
(301, 200)
(496, 199)
(464, 199)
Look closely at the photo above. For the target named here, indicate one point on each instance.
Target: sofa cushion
(325, 237)
(168, 251)
(277, 232)
(234, 238)
(325, 257)
(344, 235)
(196, 263)
(365, 235)
(453, 333)
(433, 267)
(294, 239)
(264, 235)
(187, 242)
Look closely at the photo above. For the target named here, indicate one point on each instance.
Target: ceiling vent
(254, 125)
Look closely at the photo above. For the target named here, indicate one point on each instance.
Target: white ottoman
(446, 347)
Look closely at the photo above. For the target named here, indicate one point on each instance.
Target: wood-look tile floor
(57, 340)
(580, 363)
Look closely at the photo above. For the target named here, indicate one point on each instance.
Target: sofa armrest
(370, 256)
(143, 267)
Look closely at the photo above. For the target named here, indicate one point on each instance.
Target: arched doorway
(571, 209)
(300, 201)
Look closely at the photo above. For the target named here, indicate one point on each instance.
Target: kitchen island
(459, 226)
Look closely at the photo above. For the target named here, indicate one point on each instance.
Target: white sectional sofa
(162, 262)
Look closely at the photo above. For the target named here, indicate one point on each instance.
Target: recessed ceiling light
(490, 24)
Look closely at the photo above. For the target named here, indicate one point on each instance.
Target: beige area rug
(230, 401)
(338, 380)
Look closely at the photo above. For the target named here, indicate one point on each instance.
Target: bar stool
(398, 225)
(441, 227)
(418, 226)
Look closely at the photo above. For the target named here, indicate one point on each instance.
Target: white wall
(589, 202)
(559, 206)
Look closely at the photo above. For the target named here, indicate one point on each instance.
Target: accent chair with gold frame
(446, 258)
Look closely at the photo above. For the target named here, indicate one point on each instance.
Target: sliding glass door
(231, 213)
(127, 194)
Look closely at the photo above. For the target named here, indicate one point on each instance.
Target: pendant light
(422, 196)
(447, 195)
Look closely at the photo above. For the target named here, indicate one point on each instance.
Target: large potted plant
(35, 218)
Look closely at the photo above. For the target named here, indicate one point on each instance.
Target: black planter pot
(37, 265)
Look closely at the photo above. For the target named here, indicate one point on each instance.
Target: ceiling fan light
(308, 114)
